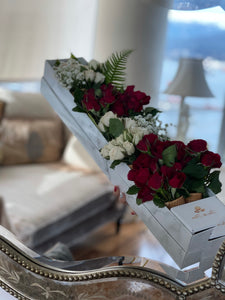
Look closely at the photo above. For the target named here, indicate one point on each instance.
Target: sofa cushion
(30, 140)
(26, 105)
(75, 155)
(38, 195)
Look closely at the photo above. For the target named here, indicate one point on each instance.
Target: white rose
(101, 127)
(93, 64)
(99, 77)
(106, 118)
(119, 139)
(129, 123)
(105, 152)
(129, 147)
(89, 75)
(136, 138)
(116, 153)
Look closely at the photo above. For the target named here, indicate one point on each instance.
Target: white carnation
(116, 153)
(129, 147)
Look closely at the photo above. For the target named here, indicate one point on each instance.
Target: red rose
(168, 172)
(153, 166)
(118, 109)
(142, 161)
(158, 147)
(139, 176)
(129, 102)
(145, 194)
(147, 142)
(155, 181)
(178, 180)
(107, 95)
(197, 145)
(181, 149)
(89, 102)
(210, 159)
(177, 166)
(132, 174)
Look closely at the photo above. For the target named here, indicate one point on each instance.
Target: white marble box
(182, 243)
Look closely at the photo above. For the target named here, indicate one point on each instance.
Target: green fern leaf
(114, 68)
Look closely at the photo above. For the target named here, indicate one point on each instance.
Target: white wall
(32, 31)
(139, 25)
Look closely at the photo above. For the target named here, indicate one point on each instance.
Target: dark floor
(134, 239)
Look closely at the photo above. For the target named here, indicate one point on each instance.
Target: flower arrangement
(162, 170)
(166, 170)
(99, 88)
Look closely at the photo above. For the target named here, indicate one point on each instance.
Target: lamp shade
(190, 80)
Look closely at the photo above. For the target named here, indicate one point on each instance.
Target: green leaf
(151, 110)
(78, 109)
(195, 170)
(169, 155)
(139, 201)
(158, 201)
(181, 192)
(73, 56)
(115, 163)
(57, 63)
(133, 190)
(116, 127)
(194, 185)
(114, 68)
(78, 95)
(215, 184)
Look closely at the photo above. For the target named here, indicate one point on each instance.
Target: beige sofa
(52, 189)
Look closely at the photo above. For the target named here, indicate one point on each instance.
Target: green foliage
(73, 56)
(57, 63)
(196, 171)
(194, 185)
(128, 160)
(116, 127)
(78, 109)
(169, 155)
(133, 190)
(151, 110)
(158, 201)
(115, 163)
(139, 201)
(215, 184)
(114, 68)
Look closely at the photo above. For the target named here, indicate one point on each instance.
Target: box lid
(200, 215)
(219, 230)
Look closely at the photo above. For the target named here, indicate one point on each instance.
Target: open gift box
(186, 232)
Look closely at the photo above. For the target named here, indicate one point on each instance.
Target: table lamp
(189, 81)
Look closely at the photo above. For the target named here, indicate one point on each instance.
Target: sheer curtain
(32, 31)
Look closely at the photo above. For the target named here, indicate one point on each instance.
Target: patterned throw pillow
(30, 141)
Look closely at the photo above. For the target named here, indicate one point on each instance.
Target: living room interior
(45, 170)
